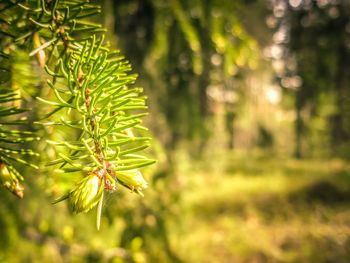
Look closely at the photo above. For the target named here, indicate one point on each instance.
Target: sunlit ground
(230, 208)
(265, 210)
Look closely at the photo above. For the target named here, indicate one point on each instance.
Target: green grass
(265, 210)
(229, 208)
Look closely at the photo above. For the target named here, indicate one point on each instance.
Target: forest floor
(265, 210)
(229, 209)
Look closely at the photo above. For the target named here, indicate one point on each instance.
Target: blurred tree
(315, 35)
(182, 48)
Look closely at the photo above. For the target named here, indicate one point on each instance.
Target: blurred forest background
(250, 113)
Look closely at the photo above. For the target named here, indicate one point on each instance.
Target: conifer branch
(90, 94)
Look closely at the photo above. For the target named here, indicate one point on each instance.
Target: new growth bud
(86, 194)
(10, 181)
(133, 179)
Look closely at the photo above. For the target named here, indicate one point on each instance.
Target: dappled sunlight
(268, 209)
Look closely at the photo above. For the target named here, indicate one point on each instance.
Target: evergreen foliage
(88, 109)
